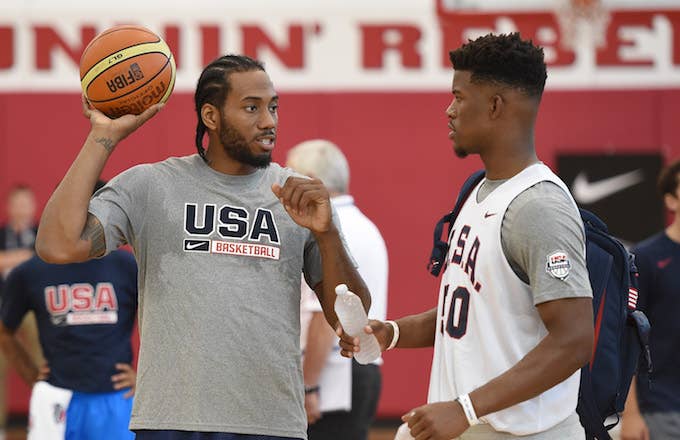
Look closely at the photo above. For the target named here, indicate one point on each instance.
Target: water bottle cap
(341, 289)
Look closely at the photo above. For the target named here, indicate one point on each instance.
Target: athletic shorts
(57, 413)
(101, 416)
(144, 434)
(568, 429)
(47, 411)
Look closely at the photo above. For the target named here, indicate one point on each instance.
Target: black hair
(668, 179)
(213, 86)
(99, 184)
(505, 59)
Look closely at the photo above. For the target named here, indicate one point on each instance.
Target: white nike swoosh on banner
(591, 192)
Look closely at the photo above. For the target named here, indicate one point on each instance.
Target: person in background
(653, 405)
(85, 314)
(17, 236)
(17, 239)
(341, 395)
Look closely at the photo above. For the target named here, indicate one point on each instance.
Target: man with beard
(221, 238)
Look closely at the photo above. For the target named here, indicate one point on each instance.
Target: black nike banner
(620, 189)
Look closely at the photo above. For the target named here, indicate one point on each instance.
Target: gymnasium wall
(380, 96)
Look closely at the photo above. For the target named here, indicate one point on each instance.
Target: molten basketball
(126, 69)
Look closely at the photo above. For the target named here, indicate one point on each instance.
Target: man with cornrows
(221, 238)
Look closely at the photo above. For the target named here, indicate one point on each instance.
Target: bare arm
(67, 232)
(320, 339)
(633, 426)
(17, 356)
(308, 203)
(337, 269)
(415, 331)
(566, 348)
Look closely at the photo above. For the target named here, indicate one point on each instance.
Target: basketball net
(581, 21)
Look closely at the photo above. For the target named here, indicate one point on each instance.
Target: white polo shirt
(370, 254)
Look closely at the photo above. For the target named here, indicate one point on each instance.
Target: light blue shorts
(101, 416)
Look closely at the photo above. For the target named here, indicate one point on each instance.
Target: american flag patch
(632, 298)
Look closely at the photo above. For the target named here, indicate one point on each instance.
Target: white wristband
(468, 409)
(395, 336)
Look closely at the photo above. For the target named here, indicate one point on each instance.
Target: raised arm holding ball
(221, 238)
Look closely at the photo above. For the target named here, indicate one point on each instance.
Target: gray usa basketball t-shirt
(219, 296)
(540, 221)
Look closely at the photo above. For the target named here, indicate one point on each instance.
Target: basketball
(126, 69)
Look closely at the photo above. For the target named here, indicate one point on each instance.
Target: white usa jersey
(487, 320)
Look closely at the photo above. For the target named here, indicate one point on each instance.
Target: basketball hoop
(581, 21)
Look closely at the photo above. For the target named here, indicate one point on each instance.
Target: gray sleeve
(544, 241)
(119, 206)
(313, 270)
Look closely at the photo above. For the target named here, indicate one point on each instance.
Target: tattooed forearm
(94, 232)
(106, 143)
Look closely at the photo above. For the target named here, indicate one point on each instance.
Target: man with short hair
(513, 324)
(17, 239)
(653, 404)
(17, 236)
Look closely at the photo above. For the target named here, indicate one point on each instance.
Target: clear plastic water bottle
(353, 318)
(403, 433)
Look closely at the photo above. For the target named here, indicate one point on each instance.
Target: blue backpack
(621, 331)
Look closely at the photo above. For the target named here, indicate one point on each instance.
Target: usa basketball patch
(558, 265)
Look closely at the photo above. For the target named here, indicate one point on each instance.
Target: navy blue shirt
(658, 260)
(85, 314)
(10, 240)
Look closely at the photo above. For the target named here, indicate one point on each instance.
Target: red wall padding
(404, 174)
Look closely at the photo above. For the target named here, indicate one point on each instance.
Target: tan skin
(496, 123)
(68, 233)
(320, 341)
(252, 108)
(21, 212)
(633, 426)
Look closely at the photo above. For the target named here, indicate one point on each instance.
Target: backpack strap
(440, 248)
(641, 323)
(594, 221)
(587, 410)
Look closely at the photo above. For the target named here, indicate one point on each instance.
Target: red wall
(404, 174)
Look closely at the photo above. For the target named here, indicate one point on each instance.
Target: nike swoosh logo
(191, 245)
(490, 214)
(588, 192)
(663, 263)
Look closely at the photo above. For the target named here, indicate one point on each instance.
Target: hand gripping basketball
(127, 69)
